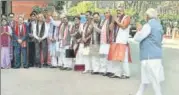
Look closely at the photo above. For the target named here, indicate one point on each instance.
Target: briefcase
(70, 53)
(79, 67)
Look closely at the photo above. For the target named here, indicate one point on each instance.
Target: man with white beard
(150, 38)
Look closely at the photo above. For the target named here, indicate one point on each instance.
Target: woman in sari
(76, 34)
(5, 45)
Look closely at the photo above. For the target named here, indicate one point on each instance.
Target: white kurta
(52, 46)
(151, 69)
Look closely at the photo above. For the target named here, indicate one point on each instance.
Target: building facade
(20, 7)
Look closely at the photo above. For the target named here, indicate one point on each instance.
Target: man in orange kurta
(119, 49)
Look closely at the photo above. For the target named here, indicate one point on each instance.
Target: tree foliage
(37, 9)
(81, 7)
(57, 4)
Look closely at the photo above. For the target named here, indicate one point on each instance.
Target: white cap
(152, 13)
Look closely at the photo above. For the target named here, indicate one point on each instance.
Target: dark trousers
(31, 53)
(13, 58)
(42, 46)
(20, 56)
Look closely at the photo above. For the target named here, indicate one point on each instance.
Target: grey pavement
(46, 81)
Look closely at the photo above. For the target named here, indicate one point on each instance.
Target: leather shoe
(125, 77)
(69, 69)
(63, 68)
(114, 76)
(94, 73)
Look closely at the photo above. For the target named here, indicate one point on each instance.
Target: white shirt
(10, 30)
(40, 26)
(47, 27)
(50, 33)
(143, 33)
(20, 28)
(55, 23)
(35, 31)
(123, 34)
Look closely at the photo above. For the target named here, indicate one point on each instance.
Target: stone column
(8, 7)
(1, 7)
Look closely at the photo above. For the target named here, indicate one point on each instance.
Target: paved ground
(48, 81)
(171, 43)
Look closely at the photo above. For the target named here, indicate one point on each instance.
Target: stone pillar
(8, 7)
(1, 7)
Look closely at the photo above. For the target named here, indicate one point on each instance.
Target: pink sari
(5, 44)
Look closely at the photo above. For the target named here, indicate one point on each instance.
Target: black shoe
(53, 67)
(69, 69)
(125, 77)
(30, 65)
(108, 74)
(60, 67)
(45, 65)
(63, 68)
(26, 67)
(114, 76)
(95, 73)
(39, 66)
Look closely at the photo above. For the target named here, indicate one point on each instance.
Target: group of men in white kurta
(94, 45)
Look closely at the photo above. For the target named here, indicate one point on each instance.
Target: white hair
(152, 13)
